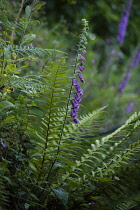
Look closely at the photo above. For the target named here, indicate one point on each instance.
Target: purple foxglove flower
(81, 63)
(79, 90)
(82, 58)
(4, 145)
(127, 76)
(81, 77)
(76, 121)
(75, 105)
(122, 85)
(92, 203)
(73, 114)
(0, 34)
(46, 182)
(125, 81)
(84, 51)
(113, 52)
(75, 82)
(124, 22)
(81, 68)
(77, 98)
(137, 59)
(130, 107)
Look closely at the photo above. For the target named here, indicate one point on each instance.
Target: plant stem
(65, 119)
(17, 18)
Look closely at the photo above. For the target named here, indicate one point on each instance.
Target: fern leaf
(29, 50)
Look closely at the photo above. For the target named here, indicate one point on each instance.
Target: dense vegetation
(69, 105)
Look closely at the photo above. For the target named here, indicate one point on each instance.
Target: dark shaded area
(103, 16)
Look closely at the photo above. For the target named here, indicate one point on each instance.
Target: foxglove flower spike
(123, 23)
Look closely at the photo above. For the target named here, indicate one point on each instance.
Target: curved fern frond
(97, 156)
(29, 50)
(5, 5)
(8, 24)
(128, 203)
(52, 117)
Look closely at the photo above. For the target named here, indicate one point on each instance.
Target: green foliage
(47, 161)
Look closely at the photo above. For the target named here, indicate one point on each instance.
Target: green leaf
(34, 196)
(26, 205)
(55, 167)
(7, 179)
(36, 155)
(11, 69)
(28, 11)
(61, 194)
(28, 38)
(6, 105)
(38, 6)
(104, 179)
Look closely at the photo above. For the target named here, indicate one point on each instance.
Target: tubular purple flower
(77, 98)
(137, 59)
(81, 63)
(76, 121)
(81, 77)
(79, 90)
(130, 107)
(125, 81)
(73, 114)
(75, 82)
(92, 203)
(113, 52)
(84, 51)
(123, 23)
(4, 145)
(127, 76)
(75, 105)
(82, 58)
(122, 85)
(81, 68)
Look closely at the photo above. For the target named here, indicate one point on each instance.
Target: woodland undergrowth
(51, 158)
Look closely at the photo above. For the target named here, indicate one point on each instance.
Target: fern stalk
(84, 22)
(17, 18)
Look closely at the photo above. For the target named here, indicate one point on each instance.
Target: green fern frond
(29, 50)
(119, 159)
(5, 5)
(97, 156)
(53, 98)
(128, 203)
(24, 23)
(73, 142)
(85, 124)
(4, 18)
